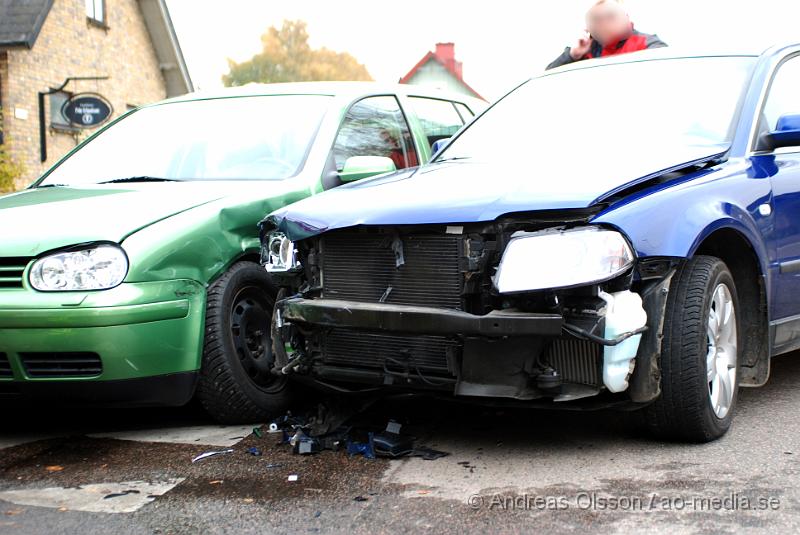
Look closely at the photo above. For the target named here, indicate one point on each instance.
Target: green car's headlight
(559, 258)
(95, 268)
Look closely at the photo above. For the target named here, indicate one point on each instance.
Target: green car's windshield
(611, 112)
(242, 138)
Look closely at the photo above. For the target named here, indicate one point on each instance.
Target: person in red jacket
(609, 32)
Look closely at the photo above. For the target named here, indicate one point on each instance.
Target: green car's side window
(439, 118)
(375, 126)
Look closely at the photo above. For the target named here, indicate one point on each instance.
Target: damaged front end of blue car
(453, 309)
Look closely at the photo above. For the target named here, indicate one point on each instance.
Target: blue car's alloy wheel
(722, 351)
(699, 354)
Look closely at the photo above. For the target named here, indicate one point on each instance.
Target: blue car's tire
(699, 364)
(236, 384)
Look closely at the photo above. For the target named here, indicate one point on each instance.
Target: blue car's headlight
(280, 254)
(95, 268)
(558, 258)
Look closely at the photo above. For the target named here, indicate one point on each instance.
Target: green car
(129, 272)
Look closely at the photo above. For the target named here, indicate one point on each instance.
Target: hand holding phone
(582, 47)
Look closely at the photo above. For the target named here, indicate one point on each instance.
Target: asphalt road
(124, 471)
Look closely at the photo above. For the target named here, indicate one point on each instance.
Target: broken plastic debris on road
(329, 429)
(211, 454)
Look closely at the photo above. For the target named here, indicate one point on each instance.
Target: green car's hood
(37, 220)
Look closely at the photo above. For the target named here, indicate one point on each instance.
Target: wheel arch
(245, 256)
(713, 220)
(733, 247)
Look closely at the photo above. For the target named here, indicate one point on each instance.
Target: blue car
(619, 233)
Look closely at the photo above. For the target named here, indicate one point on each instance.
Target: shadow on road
(425, 416)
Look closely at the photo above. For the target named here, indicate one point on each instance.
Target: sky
(501, 43)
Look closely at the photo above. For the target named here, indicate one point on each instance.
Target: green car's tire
(700, 355)
(236, 384)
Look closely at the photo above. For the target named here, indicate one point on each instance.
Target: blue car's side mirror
(786, 134)
(438, 145)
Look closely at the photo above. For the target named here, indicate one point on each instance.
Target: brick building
(440, 70)
(123, 50)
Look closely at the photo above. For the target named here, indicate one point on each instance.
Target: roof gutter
(167, 48)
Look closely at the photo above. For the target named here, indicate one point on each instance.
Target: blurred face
(608, 22)
(389, 139)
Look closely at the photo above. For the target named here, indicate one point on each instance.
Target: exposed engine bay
(418, 307)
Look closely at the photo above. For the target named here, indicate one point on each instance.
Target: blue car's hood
(466, 192)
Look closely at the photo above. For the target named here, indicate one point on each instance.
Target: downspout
(42, 132)
(3, 55)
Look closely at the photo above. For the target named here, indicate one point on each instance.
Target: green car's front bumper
(137, 344)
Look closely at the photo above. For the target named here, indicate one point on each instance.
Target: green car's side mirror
(358, 167)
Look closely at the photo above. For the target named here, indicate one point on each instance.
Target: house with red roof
(441, 70)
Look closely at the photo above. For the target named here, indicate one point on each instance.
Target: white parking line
(210, 435)
(9, 441)
(223, 436)
(124, 497)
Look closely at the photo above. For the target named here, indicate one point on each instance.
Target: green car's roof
(341, 89)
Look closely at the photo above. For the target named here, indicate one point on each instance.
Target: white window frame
(96, 11)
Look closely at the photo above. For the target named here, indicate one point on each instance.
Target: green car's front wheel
(236, 384)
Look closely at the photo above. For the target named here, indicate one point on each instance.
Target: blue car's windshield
(244, 138)
(611, 111)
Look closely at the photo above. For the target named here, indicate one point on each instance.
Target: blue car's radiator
(421, 270)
